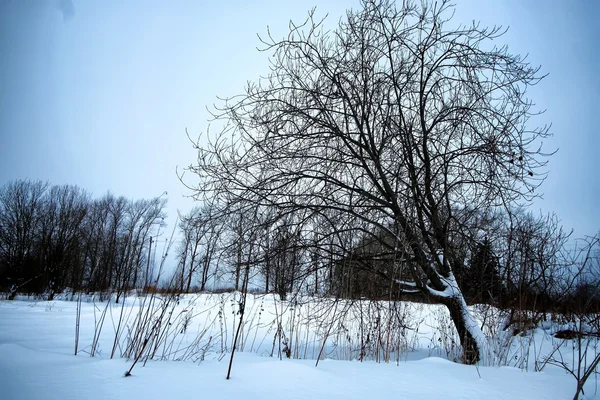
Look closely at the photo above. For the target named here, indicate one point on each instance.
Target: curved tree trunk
(468, 330)
(472, 339)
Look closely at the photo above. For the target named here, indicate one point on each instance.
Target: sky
(99, 94)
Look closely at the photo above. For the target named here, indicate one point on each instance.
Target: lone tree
(393, 120)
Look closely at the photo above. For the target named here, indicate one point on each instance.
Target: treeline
(58, 237)
(515, 260)
(508, 259)
(237, 248)
(54, 237)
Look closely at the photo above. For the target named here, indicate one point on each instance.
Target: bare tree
(96, 229)
(284, 258)
(200, 244)
(192, 227)
(140, 217)
(238, 225)
(584, 291)
(392, 120)
(19, 227)
(53, 238)
(212, 229)
(63, 212)
(534, 262)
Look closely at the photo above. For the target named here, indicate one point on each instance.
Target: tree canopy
(396, 121)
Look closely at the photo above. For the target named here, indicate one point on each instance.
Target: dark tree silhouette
(397, 120)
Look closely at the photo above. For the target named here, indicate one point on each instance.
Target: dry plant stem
(118, 331)
(162, 334)
(194, 348)
(242, 309)
(98, 327)
(278, 331)
(326, 337)
(233, 321)
(147, 340)
(291, 321)
(143, 325)
(307, 332)
(142, 320)
(147, 331)
(182, 328)
(588, 372)
(77, 323)
(221, 316)
(257, 324)
(140, 338)
(298, 334)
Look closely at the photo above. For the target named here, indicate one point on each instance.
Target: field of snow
(406, 352)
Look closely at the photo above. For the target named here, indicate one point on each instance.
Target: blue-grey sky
(99, 93)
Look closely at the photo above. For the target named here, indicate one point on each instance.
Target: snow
(37, 361)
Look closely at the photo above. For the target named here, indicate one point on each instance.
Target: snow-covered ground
(37, 340)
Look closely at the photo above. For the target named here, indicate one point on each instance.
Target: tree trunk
(189, 281)
(183, 270)
(238, 264)
(267, 272)
(472, 340)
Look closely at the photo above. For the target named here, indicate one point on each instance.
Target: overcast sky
(99, 93)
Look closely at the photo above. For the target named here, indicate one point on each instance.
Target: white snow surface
(37, 362)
